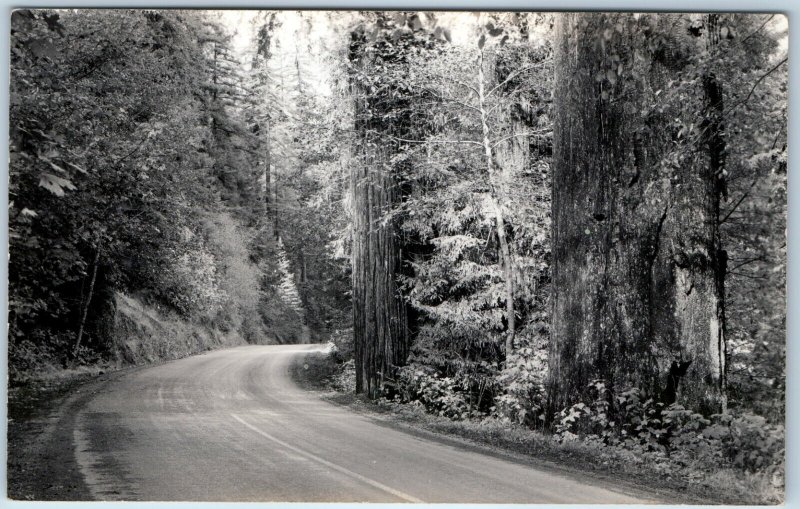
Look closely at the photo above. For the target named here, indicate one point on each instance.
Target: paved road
(230, 425)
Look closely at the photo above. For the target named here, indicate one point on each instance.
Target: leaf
(416, 23)
(43, 48)
(53, 165)
(82, 170)
(447, 35)
(53, 23)
(481, 41)
(55, 185)
(28, 212)
(399, 18)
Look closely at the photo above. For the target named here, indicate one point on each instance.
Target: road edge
(42, 445)
(304, 372)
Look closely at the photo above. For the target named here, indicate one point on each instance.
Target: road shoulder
(513, 443)
(41, 463)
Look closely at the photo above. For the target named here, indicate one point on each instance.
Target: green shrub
(674, 437)
(343, 340)
(344, 380)
(441, 395)
(523, 398)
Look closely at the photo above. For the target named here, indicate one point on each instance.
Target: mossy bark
(635, 243)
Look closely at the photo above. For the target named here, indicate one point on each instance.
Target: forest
(572, 223)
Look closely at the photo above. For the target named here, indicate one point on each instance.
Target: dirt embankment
(143, 335)
(40, 462)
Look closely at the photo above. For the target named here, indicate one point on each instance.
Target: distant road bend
(230, 425)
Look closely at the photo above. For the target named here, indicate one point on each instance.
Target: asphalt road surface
(231, 425)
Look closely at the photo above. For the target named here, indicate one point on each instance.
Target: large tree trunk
(692, 260)
(700, 261)
(380, 320)
(379, 316)
(635, 285)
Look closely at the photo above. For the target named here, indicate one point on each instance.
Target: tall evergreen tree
(636, 256)
(382, 120)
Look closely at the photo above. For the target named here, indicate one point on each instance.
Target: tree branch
(758, 81)
(457, 82)
(746, 262)
(514, 75)
(452, 100)
(135, 149)
(759, 29)
(527, 133)
(446, 142)
(739, 202)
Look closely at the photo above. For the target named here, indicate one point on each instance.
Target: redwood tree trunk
(635, 283)
(380, 322)
(380, 330)
(701, 261)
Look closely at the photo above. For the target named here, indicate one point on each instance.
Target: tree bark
(303, 267)
(708, 274)
(634, 284)
(82, 325)
(379, 315)
(380, 321)
(694, 257)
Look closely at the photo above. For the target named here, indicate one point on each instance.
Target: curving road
(230, 425)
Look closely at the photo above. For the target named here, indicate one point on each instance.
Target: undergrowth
(735, 458)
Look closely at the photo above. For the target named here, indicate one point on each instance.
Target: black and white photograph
(401, 256)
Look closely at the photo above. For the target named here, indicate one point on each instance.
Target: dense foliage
(150, 156)
(134, 169)
(474, 356)
(100, 180)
